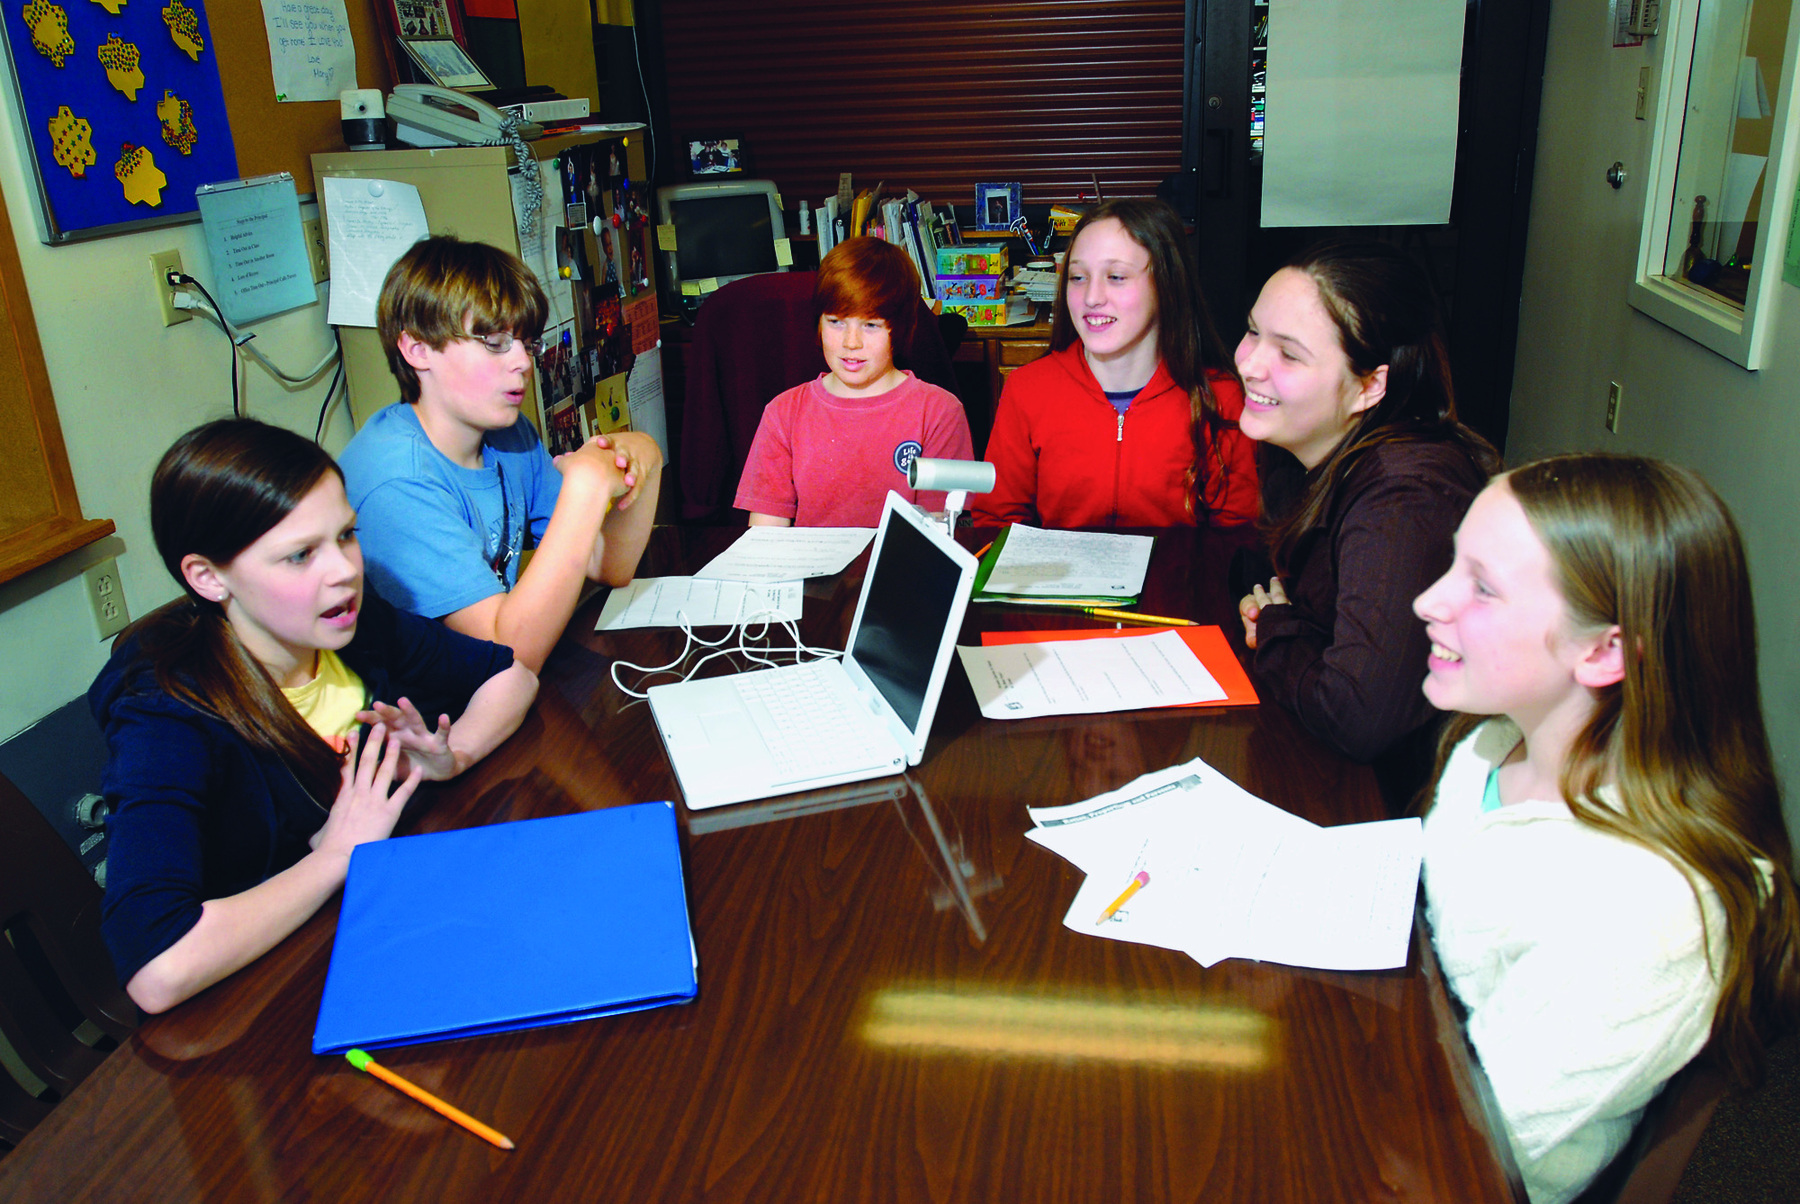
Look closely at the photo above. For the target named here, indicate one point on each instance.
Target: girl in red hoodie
(1131, 420)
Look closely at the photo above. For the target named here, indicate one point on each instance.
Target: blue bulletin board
(122, 102)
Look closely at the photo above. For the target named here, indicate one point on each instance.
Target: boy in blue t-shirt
(451, 484)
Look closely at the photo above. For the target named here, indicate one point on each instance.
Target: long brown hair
(1186, 338)
(216, 492)
(1386, 313)
(1649, 547)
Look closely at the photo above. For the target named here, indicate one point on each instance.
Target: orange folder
(1208, 643)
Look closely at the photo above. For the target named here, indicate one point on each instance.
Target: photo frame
(445, 63)
(997, 206)
(717, 155)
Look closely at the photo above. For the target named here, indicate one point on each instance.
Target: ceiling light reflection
(1002, 1024)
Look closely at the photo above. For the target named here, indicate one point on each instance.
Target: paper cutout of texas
(71, 142)
(184, 27)
(49, 25)
(138, 174)
(120, 58)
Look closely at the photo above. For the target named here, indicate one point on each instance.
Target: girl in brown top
(1365, 474)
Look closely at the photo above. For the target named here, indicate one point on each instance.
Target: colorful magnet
(184, 27)
(70, 142)
(120, 58)
(177, 117)
(138, 174)
(49, 25)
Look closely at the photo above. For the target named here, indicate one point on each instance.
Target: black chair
(61, 1007)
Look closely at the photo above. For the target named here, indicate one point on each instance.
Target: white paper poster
(368, 225)
(1363, 103)
(310, 49)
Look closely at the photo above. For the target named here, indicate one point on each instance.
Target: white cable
(242, 342)
(637, 57)
(760, 619)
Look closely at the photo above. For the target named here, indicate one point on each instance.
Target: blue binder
(514, 925)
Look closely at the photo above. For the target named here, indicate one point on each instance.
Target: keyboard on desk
(810, 727)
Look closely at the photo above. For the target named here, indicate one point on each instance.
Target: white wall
(1740, 430)
(125, 388)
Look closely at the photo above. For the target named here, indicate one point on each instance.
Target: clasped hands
(635, 455)
(1251, 604)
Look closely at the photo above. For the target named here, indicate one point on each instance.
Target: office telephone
(427, 115)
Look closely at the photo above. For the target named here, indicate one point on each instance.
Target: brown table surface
(890, 1008)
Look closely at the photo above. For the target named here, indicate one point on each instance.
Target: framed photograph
(445, 63)
(399, 19)
(997, 206)
(725, 155)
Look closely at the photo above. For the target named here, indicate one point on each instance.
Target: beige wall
(1740, 429)
(125, 388)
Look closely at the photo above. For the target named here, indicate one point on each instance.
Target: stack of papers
(1060, 568)
(1233, 876)
(1039, 283)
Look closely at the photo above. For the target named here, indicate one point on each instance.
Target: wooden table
(889, 1009)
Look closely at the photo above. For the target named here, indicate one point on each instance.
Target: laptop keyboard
(808, 730)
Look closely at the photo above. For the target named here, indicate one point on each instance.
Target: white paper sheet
(538, 248)
(670, 601)
(788, 553)
(369, 225)
(644, 394)
(1338, 898)
(1363, 99)
(311, 53)
(1070, 564)
(1087, 677)
(1233, 876)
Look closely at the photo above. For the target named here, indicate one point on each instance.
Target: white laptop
(799, 727)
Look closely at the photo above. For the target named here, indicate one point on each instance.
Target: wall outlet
(1615, 393)
(160, 263)
(107, 597)
(314, 237)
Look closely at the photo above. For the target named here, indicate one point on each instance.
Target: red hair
(869, 278)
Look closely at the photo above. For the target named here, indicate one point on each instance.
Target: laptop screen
(912, 594)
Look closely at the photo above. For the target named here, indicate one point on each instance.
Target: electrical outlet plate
(160, 263)
(107, 597)
(314, 237)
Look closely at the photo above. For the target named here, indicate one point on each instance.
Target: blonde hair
(1650, 548)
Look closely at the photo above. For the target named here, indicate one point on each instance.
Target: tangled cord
(756, 625)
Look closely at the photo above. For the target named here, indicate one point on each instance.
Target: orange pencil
(363, 1061)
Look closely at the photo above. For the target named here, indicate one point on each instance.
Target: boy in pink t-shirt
(828, 451)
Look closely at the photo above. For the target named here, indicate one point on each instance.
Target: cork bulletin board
(130, 105)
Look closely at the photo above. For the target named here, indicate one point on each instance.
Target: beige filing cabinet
(466, 192)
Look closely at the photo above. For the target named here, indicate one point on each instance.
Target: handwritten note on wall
(310, 49)
(368, 225)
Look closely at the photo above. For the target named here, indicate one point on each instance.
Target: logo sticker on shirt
(905, 454)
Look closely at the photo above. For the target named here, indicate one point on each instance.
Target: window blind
(935, 96)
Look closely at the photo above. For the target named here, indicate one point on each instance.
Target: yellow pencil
(1132, 616)
(363, 1061)
(1138, 882)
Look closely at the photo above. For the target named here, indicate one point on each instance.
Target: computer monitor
(724, 230)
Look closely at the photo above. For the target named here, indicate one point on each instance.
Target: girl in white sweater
(1606, 869)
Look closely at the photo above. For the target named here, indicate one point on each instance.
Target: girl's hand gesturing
(368, 804)
(420, 746)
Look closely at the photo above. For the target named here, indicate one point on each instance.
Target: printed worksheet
(1086, 677)
(788, 553)
(686, 601)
